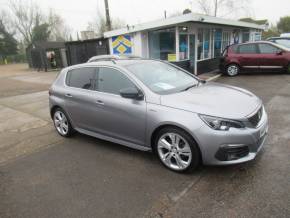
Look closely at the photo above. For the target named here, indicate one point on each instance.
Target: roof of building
(191, 17)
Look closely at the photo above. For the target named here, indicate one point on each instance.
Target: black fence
(81, 51)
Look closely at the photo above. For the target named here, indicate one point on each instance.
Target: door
(192, 52)
(272, 57)
(115, 116)
(80, 101)
(248, 56)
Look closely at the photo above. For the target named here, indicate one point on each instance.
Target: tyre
(176, 150)
(232, 70)
(62, 123)
(288, 68)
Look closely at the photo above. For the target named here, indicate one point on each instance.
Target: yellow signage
(171, 57)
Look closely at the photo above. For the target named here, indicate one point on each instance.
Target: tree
(40, 32)
(8, 44)
(99, 23)
(221, 8)
(32, 24)
(284, 24)
(59, 30)
(25, 18)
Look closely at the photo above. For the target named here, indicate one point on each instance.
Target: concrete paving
(45, 175)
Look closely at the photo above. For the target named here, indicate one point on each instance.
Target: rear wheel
(177, 150)
(232, 70)
(62, 123)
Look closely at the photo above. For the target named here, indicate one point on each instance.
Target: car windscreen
(284, 42)
(162, 78)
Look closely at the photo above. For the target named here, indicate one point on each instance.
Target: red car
(255, 56)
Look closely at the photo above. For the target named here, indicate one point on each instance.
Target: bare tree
(59, 30)
(222, 8)
(25, 17)
(99, 23)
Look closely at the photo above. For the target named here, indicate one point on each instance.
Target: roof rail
(112, 58)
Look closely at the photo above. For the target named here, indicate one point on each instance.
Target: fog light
(230, 152)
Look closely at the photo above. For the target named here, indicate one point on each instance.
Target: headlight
(217, 123)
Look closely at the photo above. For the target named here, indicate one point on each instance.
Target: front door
(271, 57)
(116, 116)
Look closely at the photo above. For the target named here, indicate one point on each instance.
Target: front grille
(255, 119)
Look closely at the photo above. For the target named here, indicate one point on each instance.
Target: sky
(77, 13)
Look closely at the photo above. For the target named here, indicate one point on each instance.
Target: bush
(18, 58)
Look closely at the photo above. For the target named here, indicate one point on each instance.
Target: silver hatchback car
(156, 106)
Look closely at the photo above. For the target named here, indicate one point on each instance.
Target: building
(192, 41)
(46, 55)
(88, 34)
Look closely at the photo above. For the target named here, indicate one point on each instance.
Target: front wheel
(232, 70)
(177, 150)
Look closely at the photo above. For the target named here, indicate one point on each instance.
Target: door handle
(99, 102)
(68, 95)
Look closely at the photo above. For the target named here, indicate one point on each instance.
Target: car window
(268, 49)
(81, 78)
(247, 49)
(112, 81)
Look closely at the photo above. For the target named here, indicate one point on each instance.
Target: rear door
(272, 57)
(248, 56)
(79, 95)
(118, 117)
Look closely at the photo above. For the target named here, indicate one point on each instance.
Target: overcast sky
(77, 13)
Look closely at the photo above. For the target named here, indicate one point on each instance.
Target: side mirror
(279, 52)
(132, 93)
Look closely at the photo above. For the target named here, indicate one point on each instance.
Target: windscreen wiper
(189, 87)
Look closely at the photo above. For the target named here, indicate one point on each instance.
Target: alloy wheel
(232, 70)
(61, 123)
(174, 151)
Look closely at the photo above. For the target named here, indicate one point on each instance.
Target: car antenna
(114, 61)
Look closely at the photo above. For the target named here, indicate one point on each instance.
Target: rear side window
(247, 49)
(81, 78)
(268, 49)
(112, 81)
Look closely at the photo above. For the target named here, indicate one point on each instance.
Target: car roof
(266, 42)
(112, 63)
(112, 57)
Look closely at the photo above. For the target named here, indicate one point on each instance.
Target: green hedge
(19, 58)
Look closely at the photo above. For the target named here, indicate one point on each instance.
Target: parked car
(284, 41)
(255, 56)
(156, 106)
(285, 35)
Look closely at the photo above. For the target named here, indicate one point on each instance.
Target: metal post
(108, 20)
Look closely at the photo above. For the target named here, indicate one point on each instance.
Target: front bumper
(247, 142)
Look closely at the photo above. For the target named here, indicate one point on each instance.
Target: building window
(217, 42)
(206, 44)
(258, 36)
(183, 42)
(246, 37)
(162, 44)
(200, 44)
(226, 39)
